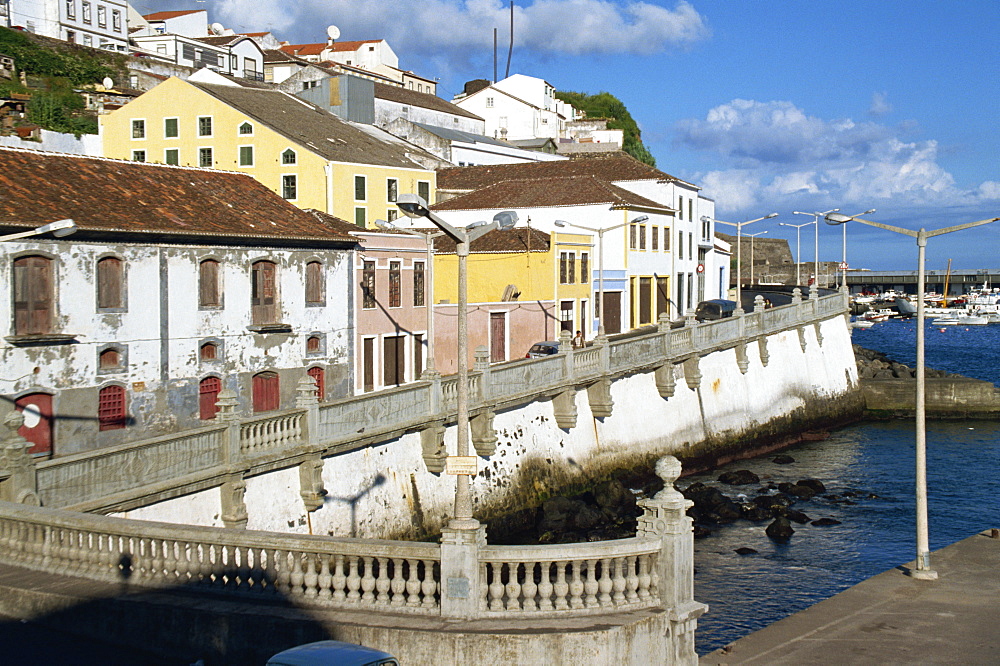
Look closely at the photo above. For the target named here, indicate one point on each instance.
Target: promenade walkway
(893, 619)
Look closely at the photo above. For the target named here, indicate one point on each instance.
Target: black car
(714, 309)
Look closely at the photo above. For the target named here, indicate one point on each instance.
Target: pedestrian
(578, 340)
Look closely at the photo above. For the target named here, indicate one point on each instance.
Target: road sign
(843, 266)
(461, 465)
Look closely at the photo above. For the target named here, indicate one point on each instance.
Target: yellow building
(310, 157)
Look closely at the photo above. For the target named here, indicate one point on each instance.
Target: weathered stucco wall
(386, 491)
(958, 397)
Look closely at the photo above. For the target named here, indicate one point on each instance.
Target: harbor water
(868, 471)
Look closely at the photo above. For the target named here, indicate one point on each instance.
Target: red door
(37, 428)
(208, 395)
(265, 392)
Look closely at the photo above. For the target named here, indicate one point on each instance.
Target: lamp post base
(922, 574)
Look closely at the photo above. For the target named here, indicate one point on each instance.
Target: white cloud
(880, 105)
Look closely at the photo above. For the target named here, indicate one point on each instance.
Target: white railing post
(307, 399)
(226, 402)
(18, 481)
(481, 364)
(461, 585)
(664, 517)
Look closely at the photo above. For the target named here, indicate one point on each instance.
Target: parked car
(714, 309)
(540, 349)
(328, 653)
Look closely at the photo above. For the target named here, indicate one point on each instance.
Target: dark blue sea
(873, 461)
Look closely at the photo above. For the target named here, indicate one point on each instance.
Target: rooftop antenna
(333, 32)
(510, 50)
(494, 55)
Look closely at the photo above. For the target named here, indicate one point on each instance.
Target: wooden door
(266, 395)
(318, 375)
(368, 363)
(33, 290)
(611, 313)
(37, 428)
(662, 297)
(645, 300)
(208, 395)
(498, 337)
(418, 355)
(393, 370)
(264, 301)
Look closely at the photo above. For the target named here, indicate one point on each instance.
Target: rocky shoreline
(876, 365)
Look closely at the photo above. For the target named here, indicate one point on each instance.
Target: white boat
(862, 323)
(960, 320)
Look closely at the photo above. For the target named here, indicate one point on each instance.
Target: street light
(798, 248)
(816, 217)
(843, 260)
(600, 262)
(414, 206)
(923, 569)
(752, 236)
(430, 370)
(739, 266)
(58, 229)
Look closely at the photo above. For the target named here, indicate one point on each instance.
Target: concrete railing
(130, 475)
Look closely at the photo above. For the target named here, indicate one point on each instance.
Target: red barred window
(111, 408)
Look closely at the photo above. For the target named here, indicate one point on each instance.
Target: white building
(96, 23)
(519, 107)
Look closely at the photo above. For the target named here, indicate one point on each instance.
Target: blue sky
(768, 105)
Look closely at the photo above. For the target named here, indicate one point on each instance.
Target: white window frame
(295, 157)
(240, 126)
(281, 186)
(136, 152)
(175, 150)
(355, 185)
(239, 156)
(197, 127)
(165, 127)
(201, 148)
(145, 129)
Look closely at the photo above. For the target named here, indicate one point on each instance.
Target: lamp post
(430, 370)
(923, 569)
(600, 262)
(798, 248)
(752, 236)
(815, 217)
(462, 465)
(843, 260)
(739, 237)
(58, 229)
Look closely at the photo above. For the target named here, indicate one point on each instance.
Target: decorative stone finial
(668, 468)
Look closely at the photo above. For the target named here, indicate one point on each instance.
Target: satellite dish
(333, 32)
(217, 28)
(107, 82)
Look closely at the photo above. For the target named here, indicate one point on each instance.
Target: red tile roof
(316, 49)
(546, 192)
(500, 241)
(163, 16)
(105, 195)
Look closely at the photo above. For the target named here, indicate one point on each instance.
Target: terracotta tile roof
(303, 49)
(577, 190)
(615, 167)
(350, 46)
(338, 224)
(500, 241)
(163, 16)
(105, 195)
(315, 129)
(277, 55)
(423, 100)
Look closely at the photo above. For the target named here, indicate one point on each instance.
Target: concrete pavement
(893, 618)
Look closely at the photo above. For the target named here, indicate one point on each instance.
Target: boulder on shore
(740, 477)
(780, 529)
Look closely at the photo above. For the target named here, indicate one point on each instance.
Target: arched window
(34, 297)
(110, 283)
(314, 283)
(266, 393)
(109, 359)
(314, 344)
(319, 376)
(209, 292)
(208, 395)
(208, 351)
(111, 408)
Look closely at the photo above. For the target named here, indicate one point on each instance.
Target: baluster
(339, 578)
(243, 554)
(368, 581)
(310, 577)
(529, 589)
(109, 558)
(141, 564)
(576, 586)
(428, 585)
(383, 582)
(484, 589)
(170, 561)
(618, 582)
(497, 587)
(231, 568)
(513, 587)
(296, 577)
(413, 584)
(353, 579)
(631, 580)
(324, 577)
(644, 577)
(590, 585)
(545, 587)
(270, 577)
(604, 585)
(398, 585)
(258, 571)
(206, 565)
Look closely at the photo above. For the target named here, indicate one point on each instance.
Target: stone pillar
(226, 403)
(665, 381)
(234, 507)
(481, 364)
(765, 355)
(796, 295)
(18, 482)
(311, 483)
(564, 408)
(692, 372)
(461, 586)
(802, 337)
(758, 303)
(306, 398)
(742, 360)
(432, 446)
(599, 395)
(484, 437)
(665, 517)
(819, 333)
(565, 342)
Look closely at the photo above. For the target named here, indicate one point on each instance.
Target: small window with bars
(111, 413)
(395, 284)
(418, 284)
(368, 285)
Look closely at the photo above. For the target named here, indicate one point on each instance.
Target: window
(264, 296)
(71, 9)
(246, 129)
(314, 345)
(171, 156)
(654, 238)
(87, 39)
(395, 284)
(360, 217)
(111, 408)
(208, 395)
(424, 190)
(246, 156)
(489, 102)
(567, 268)
(205, 126)
(418, 284)
(209, 293)
(368, 285)
(392, 214)
(138, 129)
(680, 245)
(632, 231)
(666, 239)
(642, 236)
(33, 295)
(392, 190)
(314, 283)
(138, 155)
(71, 38)
(116, 20)
(188, 51)
(691, 209)
(265, 391)
(209, 351)
(204, 157)
(584, 268)
(109, 359)
(680, 208)
(566, 316)
(170, 128)
(289, 187)
(86, 17)
(360, 185)
(288, 157)
(110, 284)
(691, 245)
(318, 376)
(102, 16)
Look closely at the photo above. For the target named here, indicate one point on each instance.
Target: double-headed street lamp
(739, 266)
(815, 217)
(600, 261)
(58, 229)
(430, 370)
(752, 236)
(843, 260)
(923, 569)
(798, 248)
(462, 465)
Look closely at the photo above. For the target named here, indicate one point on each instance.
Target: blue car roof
(327, 653)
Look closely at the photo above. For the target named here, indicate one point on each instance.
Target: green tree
(606, 105)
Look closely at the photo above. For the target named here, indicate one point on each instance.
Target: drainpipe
(328, 168)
